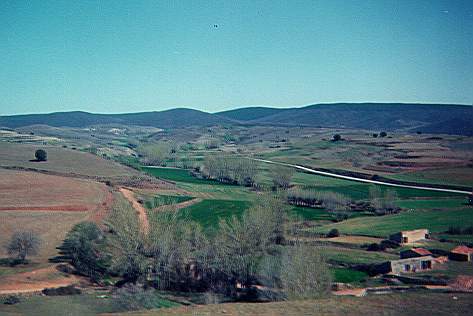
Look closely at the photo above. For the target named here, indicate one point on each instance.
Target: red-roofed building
(415, 253)
(461, 253)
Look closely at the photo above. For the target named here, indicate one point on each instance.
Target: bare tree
(304, 273)
(281, 176)
(23, 244)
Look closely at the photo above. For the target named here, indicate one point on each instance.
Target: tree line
(244, 258)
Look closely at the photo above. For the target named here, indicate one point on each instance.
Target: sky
(131, 56)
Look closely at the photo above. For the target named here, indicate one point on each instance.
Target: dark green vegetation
(348, 275)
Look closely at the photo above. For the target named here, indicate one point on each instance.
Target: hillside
(429, 118)
(250, 113)
(432, 118)
(174, 118)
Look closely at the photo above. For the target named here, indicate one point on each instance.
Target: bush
(375, 135)
(333, 233)
(383, 134)
(62, 291)
(337, 137)
(41, 155)
(11, 300)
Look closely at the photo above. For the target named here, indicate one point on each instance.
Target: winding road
(334, 175)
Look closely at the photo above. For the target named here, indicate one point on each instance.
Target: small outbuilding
(408, 265)
(410, 236)
(461, 253)
(415, 253)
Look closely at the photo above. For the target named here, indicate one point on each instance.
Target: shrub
(41, 155)
(336, 137)
(375, 135)
(383, 134)
(23, 244)
(62, 291)
(11, 300)
(333, 233)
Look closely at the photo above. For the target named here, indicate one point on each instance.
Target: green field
(382, 226)
(348, 275)
(159, 200)
(209, 212)
(178, 175)
(354, 256)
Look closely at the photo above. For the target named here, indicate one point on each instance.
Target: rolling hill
(174, 118)
(429, 118)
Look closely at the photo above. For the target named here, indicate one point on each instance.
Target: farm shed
(415, 253)
(410, 236)
(408, 265)
(461, 253)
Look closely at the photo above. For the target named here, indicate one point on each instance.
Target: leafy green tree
(84, 248)
(41, 155)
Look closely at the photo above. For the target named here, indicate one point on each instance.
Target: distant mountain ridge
(174, 118)
(429, 118)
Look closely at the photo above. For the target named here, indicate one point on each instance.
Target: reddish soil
(36, 281)
(31, 191)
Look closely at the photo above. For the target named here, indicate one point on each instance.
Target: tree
(84, 248)
(23, 244)
(300, 272)
(337, 137)
(41, 155)
(383, 134)
(333, 233)
(281, 176)
(375, 135)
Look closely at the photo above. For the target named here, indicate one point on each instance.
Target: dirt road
(334, 175)
(130, 196)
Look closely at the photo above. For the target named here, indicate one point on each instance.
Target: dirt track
(36, 281)
(130, 196)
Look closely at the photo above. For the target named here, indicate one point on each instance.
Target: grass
(85, 304)
(381, 226)
(177, 175)
(408, 304)
(317, 214)
(348, 275)
(159, 200)
(342, 255)
(61, 160)
(209, 212)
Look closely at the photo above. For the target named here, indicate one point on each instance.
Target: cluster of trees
(281, 176)
(312, 198)
(383, 203)
(154, 153)
(243, 258)
(227, 169)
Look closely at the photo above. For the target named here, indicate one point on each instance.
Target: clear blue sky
(129, 56)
